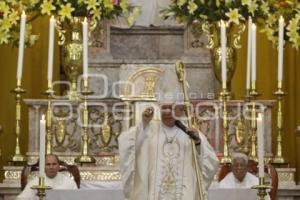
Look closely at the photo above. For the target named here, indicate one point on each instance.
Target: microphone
(180, 125)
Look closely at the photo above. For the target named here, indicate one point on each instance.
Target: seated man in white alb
(239, 177)
(54, 179)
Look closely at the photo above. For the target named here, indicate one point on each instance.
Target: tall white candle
(50, 48)
(280, 48)
(253, 53)
(248, 54)
(85, 48)
(223, 54)
(42, 146)
(260, 144)
(21, 46)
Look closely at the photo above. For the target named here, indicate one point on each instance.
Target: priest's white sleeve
(28, 193)
(130, 142)
(208, 160)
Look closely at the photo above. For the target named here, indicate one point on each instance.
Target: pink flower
(115, 2)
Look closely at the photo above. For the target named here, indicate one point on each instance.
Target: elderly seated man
(239, 177)
(54, 179)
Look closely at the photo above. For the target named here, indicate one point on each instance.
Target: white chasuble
(169, 173)
(157, 163)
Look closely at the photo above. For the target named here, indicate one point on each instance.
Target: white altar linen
(88, 194)
(117, 194)
(232, 194)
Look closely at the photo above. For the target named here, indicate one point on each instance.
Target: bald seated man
(55, 179)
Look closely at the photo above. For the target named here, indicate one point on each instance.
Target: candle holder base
(49, 92)
(225, 94)
(261, 188)
(278, 161)
(85, 92)
(85, 159)
(247, 95)
(254, 94)
(254, 158)
(225, 160)
(41, 188)
(280, 93)
(19, 158)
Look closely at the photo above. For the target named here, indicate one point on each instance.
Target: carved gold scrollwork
(149, 85)
(60, 133)
(241, 136)
(105, 133)
(147, 77)
(65, 129)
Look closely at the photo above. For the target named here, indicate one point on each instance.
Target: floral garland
(232, 11)
(9, 24)
(64, 10)
(293, 30)
(289, 11)
(265, 13)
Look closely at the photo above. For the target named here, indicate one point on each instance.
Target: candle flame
(43, 117)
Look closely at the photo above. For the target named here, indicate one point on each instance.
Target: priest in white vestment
(156, 156)
(53, 178)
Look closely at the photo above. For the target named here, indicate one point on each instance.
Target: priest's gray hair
(238, 155)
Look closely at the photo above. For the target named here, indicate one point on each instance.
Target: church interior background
(138, 54)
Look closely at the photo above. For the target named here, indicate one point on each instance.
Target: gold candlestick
(18, 157)
(253, 150)
(261, 188)
(84, 157)
(49, 92)
(247, 95)
(41, 188)
(224, 97)
(278, 159)
(253, 95)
